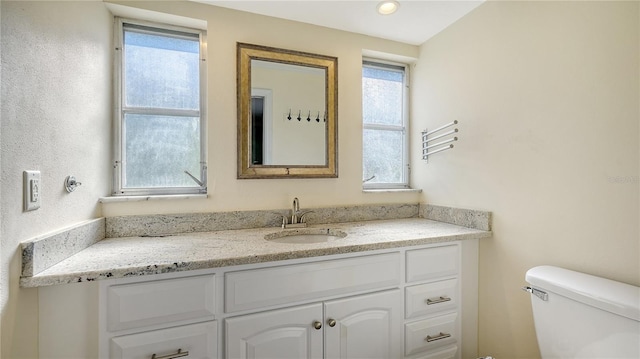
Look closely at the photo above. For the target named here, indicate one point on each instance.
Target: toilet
(580, 316)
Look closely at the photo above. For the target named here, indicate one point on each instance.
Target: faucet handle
(303, 216)
(284, 218)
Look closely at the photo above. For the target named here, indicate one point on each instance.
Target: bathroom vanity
(404, 288)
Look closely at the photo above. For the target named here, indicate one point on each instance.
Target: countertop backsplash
(462, 217)
(42, 252)
(163, 224)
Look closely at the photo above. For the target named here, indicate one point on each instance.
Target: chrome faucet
(294, 211)
(297, 218)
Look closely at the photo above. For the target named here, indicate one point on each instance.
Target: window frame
(404, 128)
(119, 110)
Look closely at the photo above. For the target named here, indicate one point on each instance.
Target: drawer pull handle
(331, 322)
(440, 336)
(441, 299)
(179, 354)
(317, 325)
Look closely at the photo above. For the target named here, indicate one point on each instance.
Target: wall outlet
(32, 190)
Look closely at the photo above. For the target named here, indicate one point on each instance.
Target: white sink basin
(306, 236)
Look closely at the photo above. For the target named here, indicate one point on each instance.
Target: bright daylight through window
(160, 146)
(384, 109)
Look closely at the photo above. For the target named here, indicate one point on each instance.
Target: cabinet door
(366, 327)
(280, 334)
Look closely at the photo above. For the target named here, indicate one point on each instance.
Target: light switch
(31, 185)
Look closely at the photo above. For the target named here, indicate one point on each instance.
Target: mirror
(287, 113)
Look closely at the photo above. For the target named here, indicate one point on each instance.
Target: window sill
(391, 190)
(151, 198)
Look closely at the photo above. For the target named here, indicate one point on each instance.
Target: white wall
(226, 193)
(2, 290)
(547, 95)
(56, 118)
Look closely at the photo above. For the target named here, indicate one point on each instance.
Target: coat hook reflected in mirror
(309, 117)
(289, 117)
(324, 119)
(318, 118)
(299, 113)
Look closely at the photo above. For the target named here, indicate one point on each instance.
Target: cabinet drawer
(199, 340)
(432, 297)
(443, 353)
(430, 333)
(165, 301)
(285, 284)
(433, 263)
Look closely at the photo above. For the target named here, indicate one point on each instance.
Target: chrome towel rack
(445, 144)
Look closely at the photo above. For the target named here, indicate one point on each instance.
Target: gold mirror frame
(246, 170)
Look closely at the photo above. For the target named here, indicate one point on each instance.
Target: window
(384, 109)
(160, 118)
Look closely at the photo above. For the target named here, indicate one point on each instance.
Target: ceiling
(414, 23)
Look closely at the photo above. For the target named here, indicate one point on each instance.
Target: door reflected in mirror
(287, 123)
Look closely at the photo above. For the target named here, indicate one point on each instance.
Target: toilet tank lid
(615, 297)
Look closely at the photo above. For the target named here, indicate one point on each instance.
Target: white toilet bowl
(580, 316)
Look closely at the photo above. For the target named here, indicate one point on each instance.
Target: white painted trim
(404, 128)
(391, 190)
(267, 123)
(150, 198)
(154, 16)
(119, 148)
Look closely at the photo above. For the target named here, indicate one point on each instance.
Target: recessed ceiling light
(388, 7)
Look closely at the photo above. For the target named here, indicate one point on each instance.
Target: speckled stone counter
(147, 255)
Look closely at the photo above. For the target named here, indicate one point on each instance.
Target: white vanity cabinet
(356, 327)
(432, 297)
(362, 326)
(391, 303)
(161, 319)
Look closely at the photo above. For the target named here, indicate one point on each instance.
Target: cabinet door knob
(331, 322)
(317, 324)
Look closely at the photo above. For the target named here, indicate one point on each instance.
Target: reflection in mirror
(287, 123)
(286, 105)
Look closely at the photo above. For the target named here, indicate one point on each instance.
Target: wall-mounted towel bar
(427, 136)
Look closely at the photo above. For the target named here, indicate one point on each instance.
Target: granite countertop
(146, 255)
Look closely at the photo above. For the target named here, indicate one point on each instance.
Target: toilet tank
(584, 316)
